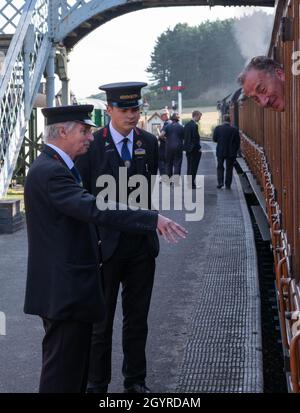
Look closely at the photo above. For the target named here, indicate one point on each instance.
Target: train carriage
(270, 143)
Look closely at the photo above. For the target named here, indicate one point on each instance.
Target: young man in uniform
(128, 259)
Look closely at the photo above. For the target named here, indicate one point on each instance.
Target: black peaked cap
(72, 113)
(124, 95)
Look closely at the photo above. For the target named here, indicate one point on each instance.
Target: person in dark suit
(192, 146)
(164, 114)
(228, 143)
(128, 259)
(174, 145)
(63, 276)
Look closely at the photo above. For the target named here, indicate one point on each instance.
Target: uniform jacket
(191, 137)
(63, 278)
(103, 158)
(228, 140)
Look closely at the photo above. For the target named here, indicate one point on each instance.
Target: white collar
(117, 137)
(66, 158)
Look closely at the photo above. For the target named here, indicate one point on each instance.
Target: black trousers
(173, 161)
(136, 274)
(220, 170)
(66, 348)
(193, 159)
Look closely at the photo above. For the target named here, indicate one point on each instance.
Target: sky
(120, 50)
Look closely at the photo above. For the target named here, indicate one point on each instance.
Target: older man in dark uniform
(63, 278)
(128, 259)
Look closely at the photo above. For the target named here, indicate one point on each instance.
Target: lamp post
(146, 108)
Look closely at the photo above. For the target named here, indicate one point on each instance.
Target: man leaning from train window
(263, 81)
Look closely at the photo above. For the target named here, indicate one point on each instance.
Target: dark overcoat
(228, 140)
(191, 137)
(63, 278)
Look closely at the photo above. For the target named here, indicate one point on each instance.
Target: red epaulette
(104, 136)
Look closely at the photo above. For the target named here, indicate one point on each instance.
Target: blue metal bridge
(35, 38)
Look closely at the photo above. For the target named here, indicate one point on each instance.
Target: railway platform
(223, 353)
(204, 321)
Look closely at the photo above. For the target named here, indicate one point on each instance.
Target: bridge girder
(80, 21)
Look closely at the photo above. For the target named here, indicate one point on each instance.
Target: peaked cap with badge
(120, 249)
(124, 95)
(71, 113)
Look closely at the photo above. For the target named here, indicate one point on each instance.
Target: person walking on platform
(164, 115)
(174, 145)
(63, 276)
(263, 81)
(192, 146)
(228, 143)
(128, 259)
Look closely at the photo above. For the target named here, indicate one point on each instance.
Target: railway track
(273, 363)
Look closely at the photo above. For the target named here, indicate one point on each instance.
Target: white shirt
(118, 139)
(63, 155)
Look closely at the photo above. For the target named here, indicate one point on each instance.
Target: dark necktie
(76, 175)
(125, 154)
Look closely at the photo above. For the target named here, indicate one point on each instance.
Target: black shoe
(137, 388)
(94, 388)
(220, 186)
(228, 187)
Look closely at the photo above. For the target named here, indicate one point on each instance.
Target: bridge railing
(19, 81)
(10, 14)
(66, 7)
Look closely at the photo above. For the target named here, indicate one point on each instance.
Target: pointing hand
(170, 230)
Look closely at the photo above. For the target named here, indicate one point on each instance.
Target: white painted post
(2, 324)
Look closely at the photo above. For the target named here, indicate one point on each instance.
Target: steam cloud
(253, 34)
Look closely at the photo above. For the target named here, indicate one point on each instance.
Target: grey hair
(52, 131)
(262, 63)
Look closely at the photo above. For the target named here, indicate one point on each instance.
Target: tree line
(204, 57)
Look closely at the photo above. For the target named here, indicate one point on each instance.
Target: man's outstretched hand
(170, 230)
